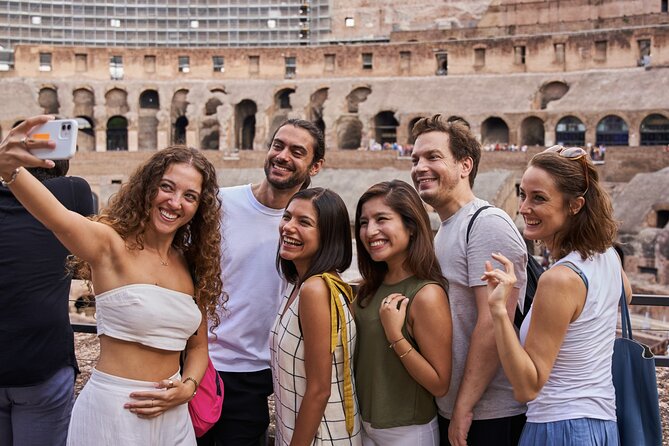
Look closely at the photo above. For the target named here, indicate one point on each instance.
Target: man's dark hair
(461, 140)
(59, 170)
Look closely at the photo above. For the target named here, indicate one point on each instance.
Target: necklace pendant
(164, 263)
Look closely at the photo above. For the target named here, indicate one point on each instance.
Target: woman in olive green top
(403, 357)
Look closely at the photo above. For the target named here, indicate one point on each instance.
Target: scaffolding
(171, 23)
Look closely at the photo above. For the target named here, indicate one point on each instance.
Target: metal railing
(637, 299)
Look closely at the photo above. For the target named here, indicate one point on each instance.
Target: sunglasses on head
(573, 153)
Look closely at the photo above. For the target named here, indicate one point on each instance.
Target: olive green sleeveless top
(388, 396)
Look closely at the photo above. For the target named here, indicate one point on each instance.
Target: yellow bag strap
(337, 286)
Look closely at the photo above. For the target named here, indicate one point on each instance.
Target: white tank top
(580, 385)
(149, 315)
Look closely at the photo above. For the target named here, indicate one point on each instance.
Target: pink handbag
(205, 407)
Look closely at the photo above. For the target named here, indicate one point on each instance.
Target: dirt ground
(87, 349)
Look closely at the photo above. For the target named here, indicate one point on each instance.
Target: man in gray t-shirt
(479, 408)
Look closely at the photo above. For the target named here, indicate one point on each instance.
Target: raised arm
(82, 237)
(558, 301)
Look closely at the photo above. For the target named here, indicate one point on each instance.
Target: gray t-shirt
(463, 264)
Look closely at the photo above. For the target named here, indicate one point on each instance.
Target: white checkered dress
(287, 347)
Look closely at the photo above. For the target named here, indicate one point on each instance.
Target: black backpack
(533, 270)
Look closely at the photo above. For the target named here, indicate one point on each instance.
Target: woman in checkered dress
(313, 338)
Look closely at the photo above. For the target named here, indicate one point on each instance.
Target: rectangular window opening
(219, 63)
(254, 64)
(600, 50)
(150, 64)
(479, 57)
(116, 68)
(442, 64)
(367, 61)
(45, 61)
(559, 52)
(184, 64)
(291, 67)
(519, 54)
(330, 63)
(81, 62)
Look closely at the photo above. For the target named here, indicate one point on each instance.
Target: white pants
(99, 419)
(415, 435)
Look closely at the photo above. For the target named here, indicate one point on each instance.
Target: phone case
(63, 132)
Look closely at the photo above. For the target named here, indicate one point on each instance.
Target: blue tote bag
(637, 406)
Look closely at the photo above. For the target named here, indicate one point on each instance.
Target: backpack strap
(471, 220)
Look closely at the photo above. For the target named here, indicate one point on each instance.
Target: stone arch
(282, 99)
(116, 101)
(117, 133)
(551, 91)
(245, 124)
(211, 106)
(570, 131)
(532, 132)
(86, 134)
(84, 102)
(48, 100)
(494, 130)
(349, 132)
(316, 105)
(355, 97)
(455, 118)
(411, 139)
(149, 99)
(178, 119)
(612, 130)
(385, 127)
(654, 130)
(147, 136)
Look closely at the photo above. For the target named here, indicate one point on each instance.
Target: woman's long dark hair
(421, 260)
(334, 250)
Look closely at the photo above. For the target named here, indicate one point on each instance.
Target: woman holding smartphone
(313, 338)
(153, 257)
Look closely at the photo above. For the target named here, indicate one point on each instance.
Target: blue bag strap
(626, 322)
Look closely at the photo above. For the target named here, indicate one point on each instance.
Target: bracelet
(406, 352)
(392, 344)
(15, 173)
(194, 381)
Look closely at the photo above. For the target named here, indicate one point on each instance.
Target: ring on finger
(24, 142)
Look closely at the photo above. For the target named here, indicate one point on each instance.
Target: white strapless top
(149, 315)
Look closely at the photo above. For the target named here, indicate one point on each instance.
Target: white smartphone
(63, 132)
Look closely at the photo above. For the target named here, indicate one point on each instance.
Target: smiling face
(290, 159)
(435, 173)
(383, 233)
(542, 206)
(299, 234)
(177, 198)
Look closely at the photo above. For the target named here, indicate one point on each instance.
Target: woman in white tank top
(153, 257)
(562, 365)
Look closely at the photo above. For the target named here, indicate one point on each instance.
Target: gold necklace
(163, 262)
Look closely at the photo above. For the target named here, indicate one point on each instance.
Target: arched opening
(180, 126)
(86, 134)
(282, 99)
(570, 131)
(494, 131)
(211, 106)
(662, 218)
(116, 101)
(149, 99)
(245, 124)
(552, 91)
(178, 117)
(357, 96)
(84, 102)
(316, 105)
(412, 123)
(48, 100)
(149, 104)
(460, 119)
(117, 133)
(532, 132)
(612, 131)
(654, 130)
(349, 133)
(385, 127)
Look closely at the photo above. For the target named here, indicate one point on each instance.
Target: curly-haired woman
(153, 258)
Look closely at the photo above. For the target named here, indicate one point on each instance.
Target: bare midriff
(135, 361)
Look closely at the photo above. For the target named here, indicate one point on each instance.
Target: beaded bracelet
(194, 381)
(6, 183)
